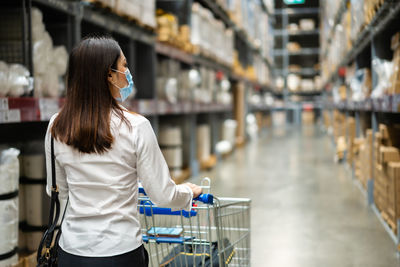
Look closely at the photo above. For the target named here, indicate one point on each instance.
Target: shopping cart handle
(205, 198)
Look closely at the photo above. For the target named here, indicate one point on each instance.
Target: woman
(102, 150)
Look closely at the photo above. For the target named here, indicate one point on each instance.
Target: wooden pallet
(209, 163)
(183, 177)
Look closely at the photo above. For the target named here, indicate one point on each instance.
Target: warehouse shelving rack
(76, 18)
(285, 15)
(372, 42)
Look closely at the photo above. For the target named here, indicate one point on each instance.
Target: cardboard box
(389, 154)
(393, 174)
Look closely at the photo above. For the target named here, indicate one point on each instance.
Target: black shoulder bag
(47, 251)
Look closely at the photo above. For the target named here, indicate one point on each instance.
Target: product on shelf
(9, 179)
(357, 17)
(229, 131)
(307, 24)
(366, 164)
(386, 149)
(251, 126)
(293, 47)
(49, 63)
(384, 70)
(14, 80)
(280, 83)
(308, 117)
(294, 68)
(351, 136)
(170, 140)
(360, 83)
(395, 77)
(204, 25)
(307, 85)
(293, 82)
(36, 199)
(293, 27)
(203, 143)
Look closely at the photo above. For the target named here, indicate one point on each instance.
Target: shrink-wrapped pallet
(9, 179)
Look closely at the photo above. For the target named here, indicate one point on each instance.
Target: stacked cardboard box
(359, 143)
(308, 117)
(351, 135)
(387, 158)
(339, 133)
(370, 9)
(365, 162)
(393, 172)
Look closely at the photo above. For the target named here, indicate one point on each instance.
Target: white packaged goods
(173, 157)
(384, 70)
(148, 12)
(4, 87)
(170, 136)
(14, 80)
(293, 82)
(307, 85)
(129, 8)
(251, 126)
(22, 209)
(9, 262)
(33, 240)
(21, 240)
(307, 24)
(204, 25)
(9, 179)
(9, 174)
(34, 166)
(49, 63)
(37, 205)
(203, 142)
(229, 131)
(293, 27)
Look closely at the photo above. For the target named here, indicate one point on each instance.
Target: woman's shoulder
(134, 118)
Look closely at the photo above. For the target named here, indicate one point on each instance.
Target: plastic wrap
(9, 262)
(229, 131)
(173, 156)
(293, 82)
(384, 70)
(42, 49)
(9, 170)
(170, 136)
(9, 179)
(4, 85)
(37, 205)
(251, 126)
(38, 28)
(19, 81)
(60, 59)
(203, 142)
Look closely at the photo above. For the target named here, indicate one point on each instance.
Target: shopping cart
(216, 232)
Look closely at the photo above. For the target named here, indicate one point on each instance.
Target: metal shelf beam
(297, 11)
(297, 33)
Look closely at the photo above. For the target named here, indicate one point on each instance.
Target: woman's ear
(110, 77)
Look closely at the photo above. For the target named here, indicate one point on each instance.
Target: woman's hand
(197, 190)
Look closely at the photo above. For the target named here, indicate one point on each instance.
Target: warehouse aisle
(306, 210)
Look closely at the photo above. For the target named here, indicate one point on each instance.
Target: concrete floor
(306, 210)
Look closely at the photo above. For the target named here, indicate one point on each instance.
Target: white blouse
(102, 219)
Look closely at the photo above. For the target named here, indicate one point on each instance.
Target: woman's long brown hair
(84, 120)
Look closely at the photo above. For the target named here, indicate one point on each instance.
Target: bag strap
(55, 202)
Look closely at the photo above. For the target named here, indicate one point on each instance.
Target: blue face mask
(127, 90)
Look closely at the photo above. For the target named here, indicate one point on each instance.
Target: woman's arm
(153, 172)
